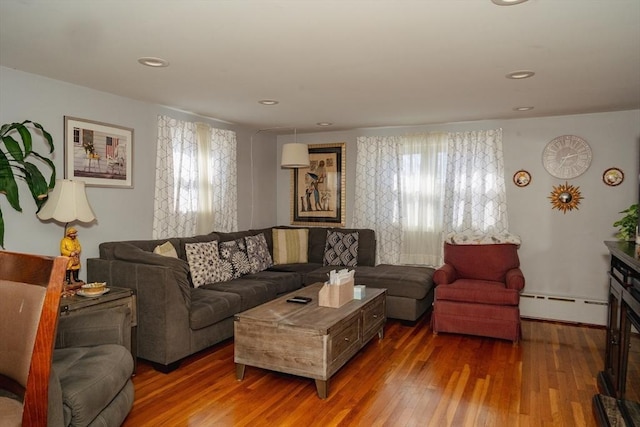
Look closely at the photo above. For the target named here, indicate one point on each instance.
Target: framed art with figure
(98, 153)
(318, 192)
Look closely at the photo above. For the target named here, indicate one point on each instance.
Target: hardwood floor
(410, 378)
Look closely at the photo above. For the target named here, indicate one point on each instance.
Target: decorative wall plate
(565, 197)
(522, 178)
(613, 177)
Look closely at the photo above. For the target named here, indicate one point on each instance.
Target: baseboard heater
(564, 309)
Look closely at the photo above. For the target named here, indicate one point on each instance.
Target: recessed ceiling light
(507, 2)
(268, 102)
(520, 74)
(324, 124)
(151, 61)
(522, 108)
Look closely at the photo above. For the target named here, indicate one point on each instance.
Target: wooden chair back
(30, 290)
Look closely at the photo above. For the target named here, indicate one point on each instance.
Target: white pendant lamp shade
(67, 202)
(295, 155)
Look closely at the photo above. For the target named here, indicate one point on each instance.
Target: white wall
(122, 214)
(561, 254)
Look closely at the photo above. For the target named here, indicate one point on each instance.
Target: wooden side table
(77, 305)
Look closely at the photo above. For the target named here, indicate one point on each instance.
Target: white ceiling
(354, 63)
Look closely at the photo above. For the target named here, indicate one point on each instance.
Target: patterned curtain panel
(196, 179)
(224, 180)
(176, 193)
(377, 194)
(475, 199)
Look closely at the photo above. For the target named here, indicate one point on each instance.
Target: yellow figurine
(70, 247)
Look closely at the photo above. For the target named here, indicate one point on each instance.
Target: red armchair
(478, 291)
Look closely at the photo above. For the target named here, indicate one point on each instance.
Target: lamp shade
(295, 155)
(67, 202)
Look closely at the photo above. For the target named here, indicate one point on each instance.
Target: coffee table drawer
(373, 318)
(345, 342)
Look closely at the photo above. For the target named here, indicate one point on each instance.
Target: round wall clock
(567, 156)
(613, 177)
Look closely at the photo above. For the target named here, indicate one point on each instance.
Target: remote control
(299, 300)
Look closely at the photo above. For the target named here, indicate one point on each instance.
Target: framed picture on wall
(98, 153)
(318, 192)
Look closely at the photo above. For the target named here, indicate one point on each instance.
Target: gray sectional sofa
(175, 319)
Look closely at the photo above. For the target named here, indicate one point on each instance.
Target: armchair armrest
(92, 328)
(514, 279)
(445, 275)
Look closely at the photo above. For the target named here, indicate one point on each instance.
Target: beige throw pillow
(166, 249)
(290, 246)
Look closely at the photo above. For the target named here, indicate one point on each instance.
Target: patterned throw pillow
(258, 253)
(233, 255)
(341, 249)
(204, 263)
(290, 246)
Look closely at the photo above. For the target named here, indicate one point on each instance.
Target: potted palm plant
(628, 223)
(16, 156)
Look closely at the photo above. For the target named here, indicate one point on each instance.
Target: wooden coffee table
(306, 339)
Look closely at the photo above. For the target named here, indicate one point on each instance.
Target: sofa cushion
(89, 378)
(204, 263)
(251, 292)
(233, 256)
(399, 280)
(341, 249)
(478, 292)
(283, 281)
(209, 307)
(290, 245)
(258, 253)
(301, 269)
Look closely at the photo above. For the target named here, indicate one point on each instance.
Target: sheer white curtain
(475, 199)
(377, 194)
(204, 215)
(176, 190)
(196, 179)
(424, 160)
(224, 180)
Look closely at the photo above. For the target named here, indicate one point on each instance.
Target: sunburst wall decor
(565, 197)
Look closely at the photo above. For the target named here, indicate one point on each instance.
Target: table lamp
(66, 203)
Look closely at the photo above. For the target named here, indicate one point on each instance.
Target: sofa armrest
(162, 314)
(85, 329)
(514, 279)
(445, 275)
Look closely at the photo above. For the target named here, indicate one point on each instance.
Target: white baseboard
(565, 309)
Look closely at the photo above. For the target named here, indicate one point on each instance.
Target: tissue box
(335, 296)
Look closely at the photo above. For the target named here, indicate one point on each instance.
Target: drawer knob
(375, 316)
(346, 339)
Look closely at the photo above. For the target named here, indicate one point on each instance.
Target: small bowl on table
(95, 288)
